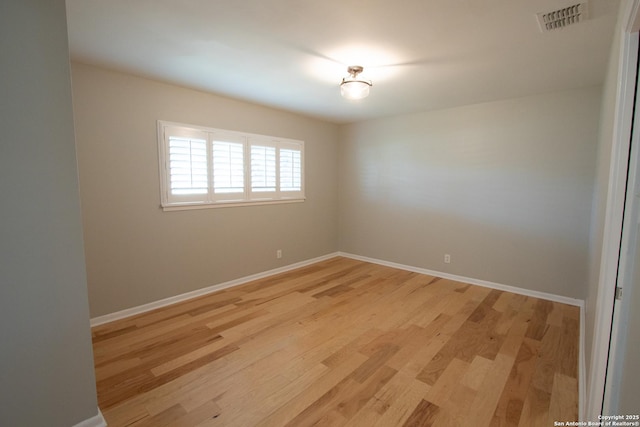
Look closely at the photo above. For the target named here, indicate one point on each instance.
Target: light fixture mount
(353, 87)
(354, 70)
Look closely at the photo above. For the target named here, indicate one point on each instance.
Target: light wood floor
(343, 342)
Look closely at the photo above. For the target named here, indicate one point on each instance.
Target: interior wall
(46, 360)
(504, 187)
(136, 253)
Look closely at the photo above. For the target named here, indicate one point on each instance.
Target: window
(203, 167)
(263, 168)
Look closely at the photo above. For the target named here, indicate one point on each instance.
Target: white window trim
(171, 202)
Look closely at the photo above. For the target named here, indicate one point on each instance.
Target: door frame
(629, 24)
(627, 267)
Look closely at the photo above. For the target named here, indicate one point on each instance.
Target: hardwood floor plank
(163, 419)
(503, 302)
(455, 412)
(374, 362)
(305, 405)
(416, 339)
(448, 381)
(359, 396)
(186, 358)
(423, 415)
(114, 393)
(535, 412)
(478, 369)
(470, 339)
(126, 413)
(547, 359)
(122, 347)
(342, 343)
(568, 352)
(253, 391)
(374, 408)
(116, 367)
(302, 401)
(279, 398)
(538, 324)
(564, 402)
(486, 401)
(511, 401)
(208, 412)
(404, 406)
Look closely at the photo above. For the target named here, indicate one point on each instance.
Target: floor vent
(558, 19)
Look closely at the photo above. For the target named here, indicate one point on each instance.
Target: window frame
(248, 197)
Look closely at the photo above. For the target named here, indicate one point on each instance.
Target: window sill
(217, 205)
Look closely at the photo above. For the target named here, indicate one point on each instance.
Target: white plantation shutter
(263, 168)
(204, 167)
(186, 165)
(228, 167)
(290, 169)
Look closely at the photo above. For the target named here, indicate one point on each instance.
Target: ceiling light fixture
(353, 87)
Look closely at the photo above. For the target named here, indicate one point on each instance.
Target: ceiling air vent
(564, 17)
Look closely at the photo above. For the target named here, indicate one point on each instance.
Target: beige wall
(46, 360)
(136, 253)
(504, 187)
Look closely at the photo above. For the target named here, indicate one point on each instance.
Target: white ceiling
(292, 54)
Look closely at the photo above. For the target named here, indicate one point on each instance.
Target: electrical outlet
(279, 253)
(447, 259)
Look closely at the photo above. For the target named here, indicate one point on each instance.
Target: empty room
(356, 213)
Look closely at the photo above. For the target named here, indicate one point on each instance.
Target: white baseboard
(582, 369)
(204, 291)
(95, 421)
(483, 283)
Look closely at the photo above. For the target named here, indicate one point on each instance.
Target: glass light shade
(354, 89)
